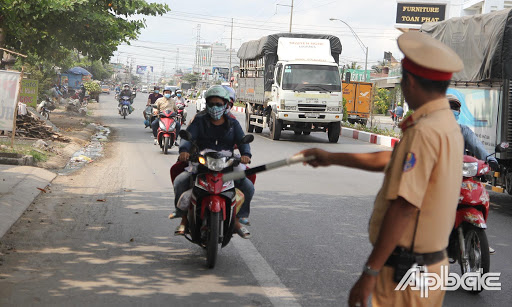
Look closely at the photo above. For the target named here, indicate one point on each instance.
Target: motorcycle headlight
(173, 126)
(218, 164)
(162, 126)
(469, 169)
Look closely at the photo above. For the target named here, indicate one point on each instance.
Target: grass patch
(27, 149)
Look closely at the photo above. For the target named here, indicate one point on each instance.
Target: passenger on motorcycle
(181, 101)
(162, 104)
(215, 130)
(153, 97)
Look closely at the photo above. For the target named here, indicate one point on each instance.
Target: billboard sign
(9, 87)
(28, 93)
(358, 75)
(144, 69)
(419, 13)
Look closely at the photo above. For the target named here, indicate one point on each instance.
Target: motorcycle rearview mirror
(248, 138)
(185, 135)
(503, 146)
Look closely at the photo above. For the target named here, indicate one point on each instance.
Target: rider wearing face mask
(162, 104)
(471, 142)
(181, 101)
(214, 129)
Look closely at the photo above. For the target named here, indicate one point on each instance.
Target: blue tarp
(79, 71)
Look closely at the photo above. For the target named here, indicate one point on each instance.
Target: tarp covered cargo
(266, 47)
(484, 42)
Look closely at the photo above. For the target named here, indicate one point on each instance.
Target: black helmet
(156, 87)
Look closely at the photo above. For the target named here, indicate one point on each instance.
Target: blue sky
(372, 20)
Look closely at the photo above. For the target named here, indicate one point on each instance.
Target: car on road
(105, 89)
(144, 89)
(201, 102)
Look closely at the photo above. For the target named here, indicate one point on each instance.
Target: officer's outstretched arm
(373, 161)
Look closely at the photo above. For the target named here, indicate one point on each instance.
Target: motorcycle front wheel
(476, 247)
(167, 141)
(212, 245)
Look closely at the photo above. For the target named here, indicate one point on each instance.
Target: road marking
(277, 293)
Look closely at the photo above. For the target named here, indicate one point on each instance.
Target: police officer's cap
(427, 57)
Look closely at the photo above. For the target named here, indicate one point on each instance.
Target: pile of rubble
(31, 127)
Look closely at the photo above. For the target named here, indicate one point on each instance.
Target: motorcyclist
(152, 98)
(181, 101)
(126, 92)
(215, 130)
(471, 142)
(162, 104)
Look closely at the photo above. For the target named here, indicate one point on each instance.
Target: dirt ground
(76, 128)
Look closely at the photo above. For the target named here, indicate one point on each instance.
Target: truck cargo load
(484, 43)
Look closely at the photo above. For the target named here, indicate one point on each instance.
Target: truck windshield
(306, 77)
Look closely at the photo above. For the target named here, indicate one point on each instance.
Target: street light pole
(361, 44)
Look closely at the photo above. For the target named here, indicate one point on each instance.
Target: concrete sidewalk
(19, 186)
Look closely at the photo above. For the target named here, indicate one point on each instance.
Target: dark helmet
(156, 87)
(454, 102)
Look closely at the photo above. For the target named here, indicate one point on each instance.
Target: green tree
(51, 28)
(191, 78)
(354, 65)
(381, 101)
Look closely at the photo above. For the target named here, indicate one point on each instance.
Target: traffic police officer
(415, 209)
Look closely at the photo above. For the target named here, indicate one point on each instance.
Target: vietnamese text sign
(9, 86)
(358, 75)
(416, 13)
(28, 93)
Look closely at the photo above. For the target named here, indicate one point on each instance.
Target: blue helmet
(232, 94)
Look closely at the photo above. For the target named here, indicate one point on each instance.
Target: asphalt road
(102, 237)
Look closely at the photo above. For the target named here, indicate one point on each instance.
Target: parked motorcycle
(124, 106)
(468, 244)
(166, 130)
(213, 205)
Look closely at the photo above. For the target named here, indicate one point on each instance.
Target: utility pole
(291, 16)
(198, 42)
(230, 50)
(177, 59)
(291, 13)
(163, 68)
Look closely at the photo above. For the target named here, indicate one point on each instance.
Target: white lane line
(277, 293)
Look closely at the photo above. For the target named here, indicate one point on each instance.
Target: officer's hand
(321, 157)
(495, 166)
(245, 160)
(184, 156)
(361, 291)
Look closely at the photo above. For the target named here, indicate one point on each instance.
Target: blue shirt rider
(471, 142)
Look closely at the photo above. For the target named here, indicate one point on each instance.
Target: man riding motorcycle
(215, 130)
(126, 92)
(152, 98)
(181, 101)
(162, 104)
(471, 142)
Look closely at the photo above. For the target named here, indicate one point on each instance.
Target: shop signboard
(9, 87)
(28, 93)
(419, 13)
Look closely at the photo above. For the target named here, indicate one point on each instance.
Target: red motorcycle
(214, 203)
(166, 130)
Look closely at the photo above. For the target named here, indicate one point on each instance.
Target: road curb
(19, 186)
(368, 137)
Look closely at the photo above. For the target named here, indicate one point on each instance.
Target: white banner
(9, 88)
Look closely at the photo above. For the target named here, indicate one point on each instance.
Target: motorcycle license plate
(312, 115)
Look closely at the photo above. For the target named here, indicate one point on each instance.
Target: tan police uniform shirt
(426, 170)
(163, 104)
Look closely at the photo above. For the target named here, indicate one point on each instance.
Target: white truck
(291, 81)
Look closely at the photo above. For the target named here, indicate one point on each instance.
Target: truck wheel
(333, 132)
(258, 129)
(248, 127)
(306, 132)
(297, 132)
(275, 127)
